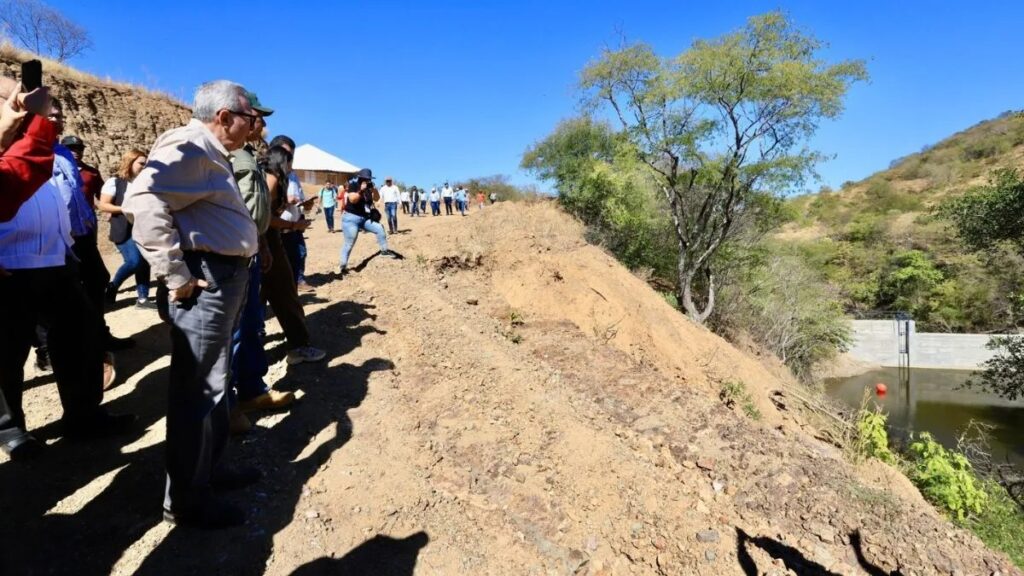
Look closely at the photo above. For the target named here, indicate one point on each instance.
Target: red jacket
(26, 165)
(92, 183)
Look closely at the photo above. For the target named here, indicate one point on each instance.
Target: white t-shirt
(293, 212)
(405, 196)
(434, 196)
(446, 192)
(390, 193)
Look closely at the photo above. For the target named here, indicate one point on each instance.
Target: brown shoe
(238, 422)
(109, 372)
(272, 400)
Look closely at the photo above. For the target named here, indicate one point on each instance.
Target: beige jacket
(185, 199)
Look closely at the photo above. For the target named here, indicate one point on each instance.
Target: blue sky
(454, 89)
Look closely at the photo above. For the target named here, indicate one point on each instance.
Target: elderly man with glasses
(195, 231)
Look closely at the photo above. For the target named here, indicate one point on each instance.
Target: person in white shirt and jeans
(391, 195)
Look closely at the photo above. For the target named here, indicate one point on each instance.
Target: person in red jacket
(26, 145)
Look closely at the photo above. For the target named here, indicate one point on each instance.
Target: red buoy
(881, 389)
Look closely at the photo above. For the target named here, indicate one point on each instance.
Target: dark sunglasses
(252, 117)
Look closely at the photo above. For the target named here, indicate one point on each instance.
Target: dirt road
(505, 400)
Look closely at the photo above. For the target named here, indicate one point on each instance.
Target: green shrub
(945, 478)
(1000, 525)
(734, 393)
(872, 439)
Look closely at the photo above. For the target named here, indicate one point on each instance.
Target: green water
(930, 401)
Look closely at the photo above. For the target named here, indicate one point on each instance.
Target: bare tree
(43, 30)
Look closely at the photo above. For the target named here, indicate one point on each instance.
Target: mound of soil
(505, 399)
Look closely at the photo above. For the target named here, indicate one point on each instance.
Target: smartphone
(31, 75)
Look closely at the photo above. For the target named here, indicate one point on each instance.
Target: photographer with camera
(360, 214)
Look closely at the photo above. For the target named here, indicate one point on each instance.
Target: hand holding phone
(31, 75)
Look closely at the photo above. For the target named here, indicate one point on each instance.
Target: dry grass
(11, 53)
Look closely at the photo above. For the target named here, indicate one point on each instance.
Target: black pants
(448, 206)
(279, 290)
(92, 273)
(54, 297)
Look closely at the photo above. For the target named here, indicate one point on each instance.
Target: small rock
(705, 464)
(718, 486)
(311, 514)
(472, 301)
(710, 555)
(707, 536)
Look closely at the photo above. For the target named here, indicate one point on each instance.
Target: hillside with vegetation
(884, 247)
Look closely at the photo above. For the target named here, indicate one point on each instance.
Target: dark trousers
(435, 208)
(249, 359)
(91, 270)
(54, 297)
(405, 207)
(448, 206)
(197, 406)
(279, 290)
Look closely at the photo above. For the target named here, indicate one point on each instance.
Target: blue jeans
(423, 207)
(329, 216)
(134, 263)
(461, 206)
(391, 209)
(249, 359)
(415, 208)
(435, 207)
(350, 226)
(295, 248)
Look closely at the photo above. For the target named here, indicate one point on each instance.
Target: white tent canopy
(309, 157)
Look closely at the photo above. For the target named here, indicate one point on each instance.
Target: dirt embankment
(111, 118)
(505, 400)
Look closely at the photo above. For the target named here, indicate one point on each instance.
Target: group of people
(212, 216)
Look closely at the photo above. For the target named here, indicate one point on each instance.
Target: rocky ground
(504, 400)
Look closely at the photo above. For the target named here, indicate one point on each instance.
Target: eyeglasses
(252, 117)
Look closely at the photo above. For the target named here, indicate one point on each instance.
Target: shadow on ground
(794, 560)
(81, 506)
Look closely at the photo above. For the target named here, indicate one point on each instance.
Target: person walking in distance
(435, 202)
(461, 199)
(329, 201)
(480, 200)
(359, 215)
(414, 200)
(111, 198)
(391, 195)
(406, 198)
(447, 194)
(423, 201)
(195, 231)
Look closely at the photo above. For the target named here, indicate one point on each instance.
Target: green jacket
(253, 186)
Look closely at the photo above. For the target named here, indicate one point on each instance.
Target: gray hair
(214, 96)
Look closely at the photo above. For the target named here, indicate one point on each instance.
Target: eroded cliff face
(111, 118)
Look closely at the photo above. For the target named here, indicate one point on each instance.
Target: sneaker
(305, 354)
(145, 303)
(109, 371)
(23, 448)
(238, 422)
(271, 400)
(388, 254)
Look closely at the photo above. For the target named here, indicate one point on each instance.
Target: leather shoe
(114, 343)
(23, 448)
(99, 426)
(213, 514)
(235, 478)
(270, 400)
(238, 422)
